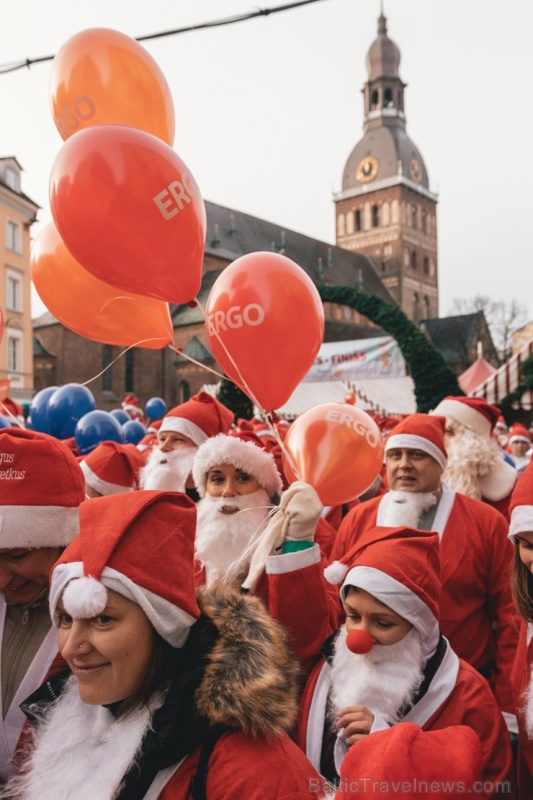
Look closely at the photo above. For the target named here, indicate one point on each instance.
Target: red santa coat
(240, 768)
(457, 695)
(475, 556)
(521, 676)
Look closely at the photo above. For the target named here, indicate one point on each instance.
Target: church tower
(385, 209)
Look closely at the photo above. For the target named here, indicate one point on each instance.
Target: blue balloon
(5, 422)
(133, 431)
(96, 427)
(39, 409)
(66, 406)
(155, 408)
(120, 415)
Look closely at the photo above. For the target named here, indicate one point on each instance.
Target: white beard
(404, 508)
(382, 680)
(470, 457)
(81, 751)
(225, 543)
(167, 472)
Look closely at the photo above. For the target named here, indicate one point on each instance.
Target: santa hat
(420, 432)
(519, 433)
(199, 418)
(243, 451)
(521, 506)
(140, 546)
(389, 423)
(501, 423)
(472, 412)
(41, 487)
(400, 567)
(407, 756)
(112, 467)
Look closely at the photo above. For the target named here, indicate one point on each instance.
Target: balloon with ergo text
(101, 76)
(337, 448)
(265, 325)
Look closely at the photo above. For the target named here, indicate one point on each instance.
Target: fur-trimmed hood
(249, 682)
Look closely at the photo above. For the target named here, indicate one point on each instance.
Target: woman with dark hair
(521, 533)
(168, 695)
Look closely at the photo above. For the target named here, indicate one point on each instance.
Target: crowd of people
(177, 620)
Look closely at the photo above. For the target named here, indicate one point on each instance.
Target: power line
(217, 23)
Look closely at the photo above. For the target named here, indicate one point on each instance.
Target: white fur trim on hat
(185, 427)
(414, 442)
(31, 527)
(171, 622)
(464, 415)
(99, 485)
(243, 455)
(521, 521)
(392, 593)
(519, 437)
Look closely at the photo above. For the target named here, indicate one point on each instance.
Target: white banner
(358, 360)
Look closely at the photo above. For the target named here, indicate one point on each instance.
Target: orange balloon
(91, 307)
(130, 212)
(101, 76)
(336, 448)
(349, 398)
(265, 324)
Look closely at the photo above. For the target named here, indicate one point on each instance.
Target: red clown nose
(359, 642)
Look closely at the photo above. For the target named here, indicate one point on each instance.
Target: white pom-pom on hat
(336, 572)
(84, 598)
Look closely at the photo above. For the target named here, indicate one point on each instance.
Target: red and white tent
(506, 379)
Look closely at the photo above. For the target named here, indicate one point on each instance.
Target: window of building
(426, 265)
(107, 358)
(12, 180)
(374, 99)
(424, 221)
(383, 266)
(427, 306)
(129, 372)
(416, 307)
(14, 290)
(413, 260)
(388, 101)
(357, 220)
(406, 257)
(375, 216)
(14, 351)
(185, 391)
(413, 216)
(13, 236)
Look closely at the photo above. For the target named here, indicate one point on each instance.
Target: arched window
(416, 307)
(107, 358)
(413, 260)
(375, 216)
(427, 308)
(185, 391)
(129, 372)
(413, 216)
(424, 221)
(357, 220)
(383, 265)
(374, 100)
(426, 265)
(387, 99)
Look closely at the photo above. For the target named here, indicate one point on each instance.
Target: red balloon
(337, 448)
(1, 324)
(130, 212)
(359, 642)
(265, 324)
(349, 398)
(90, 307)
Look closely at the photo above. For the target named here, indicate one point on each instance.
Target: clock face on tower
(367, 169)
(415, 171)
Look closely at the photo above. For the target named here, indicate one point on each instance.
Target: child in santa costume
(111, 468)
(389, 663)
(41, 487)
(250, 537)
(521, 534)
(165, 687)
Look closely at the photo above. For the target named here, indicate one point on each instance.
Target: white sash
(11, 727)
(161, 780)
(444, 509)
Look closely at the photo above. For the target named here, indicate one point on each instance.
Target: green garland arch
(432, 377)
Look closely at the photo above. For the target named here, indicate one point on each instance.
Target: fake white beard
(225, 543)
(168, 472)
(470, 457)
(81, 751)
(382, 680)
(404, 508)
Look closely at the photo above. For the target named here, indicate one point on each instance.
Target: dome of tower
(391, 152)
(383, 58)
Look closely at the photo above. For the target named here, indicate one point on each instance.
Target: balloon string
(136, 344)
(179, 352)
(12, 416)
(142, 301)
(244, 385)
(269, 421)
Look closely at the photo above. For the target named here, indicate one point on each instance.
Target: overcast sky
(267, 112)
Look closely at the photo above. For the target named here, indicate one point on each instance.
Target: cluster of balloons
(129, 221)
(70, 411)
